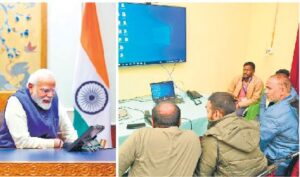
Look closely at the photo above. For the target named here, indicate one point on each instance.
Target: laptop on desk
(163, 91)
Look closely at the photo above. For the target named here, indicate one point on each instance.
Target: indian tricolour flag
(91, 83)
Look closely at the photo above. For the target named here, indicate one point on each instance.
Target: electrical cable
(170, 77)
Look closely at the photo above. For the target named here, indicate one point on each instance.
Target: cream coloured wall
(261, 29)
(217, 39)
(220, 38)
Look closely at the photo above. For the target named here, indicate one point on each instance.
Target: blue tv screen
(151, 34)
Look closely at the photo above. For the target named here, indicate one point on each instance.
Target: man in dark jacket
(231, 144)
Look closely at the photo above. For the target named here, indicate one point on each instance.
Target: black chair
(291, 170)
(294, 157)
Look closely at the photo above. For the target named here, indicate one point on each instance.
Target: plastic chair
(252, 112)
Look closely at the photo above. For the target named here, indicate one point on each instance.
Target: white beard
(39, 102)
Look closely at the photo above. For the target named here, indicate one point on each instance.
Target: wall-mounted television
(151, 34)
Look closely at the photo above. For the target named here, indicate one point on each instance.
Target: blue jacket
(263, 99)
(279, 129)
(41, 123)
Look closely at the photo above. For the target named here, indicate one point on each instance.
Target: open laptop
(162, 91)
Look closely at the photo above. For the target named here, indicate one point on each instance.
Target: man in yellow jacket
(246, 88)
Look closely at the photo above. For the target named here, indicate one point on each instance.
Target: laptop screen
(162, 90)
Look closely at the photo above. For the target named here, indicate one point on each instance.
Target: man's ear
(217, 114)
(152, 122)
(284, 90)
(30, 88)
(30, 85)
(221, 113)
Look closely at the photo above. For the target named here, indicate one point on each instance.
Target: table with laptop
(135, 113)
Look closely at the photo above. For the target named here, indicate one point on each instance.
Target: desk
(57, 162)
(135, 114)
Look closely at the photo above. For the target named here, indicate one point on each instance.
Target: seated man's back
(230, 146)
(163, 150)
(160, 152)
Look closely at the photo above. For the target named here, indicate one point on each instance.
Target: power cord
(138, 99)
(135, 109)
(168, 72)
(170, 77)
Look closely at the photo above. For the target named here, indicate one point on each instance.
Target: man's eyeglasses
(47, 91)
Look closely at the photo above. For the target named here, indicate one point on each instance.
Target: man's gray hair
(38, 75)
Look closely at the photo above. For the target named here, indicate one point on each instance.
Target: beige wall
(220, 38)
(261, 29)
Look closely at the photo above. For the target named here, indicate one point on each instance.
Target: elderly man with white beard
(34, 118)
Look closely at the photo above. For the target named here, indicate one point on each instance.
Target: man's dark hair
(250, 63)
(166, 118)
(283, 71)
(222, 101)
